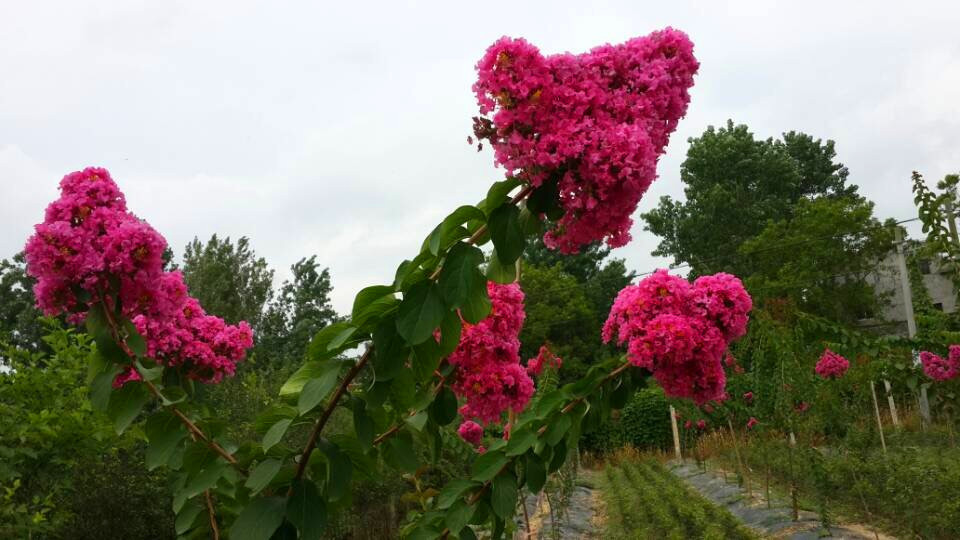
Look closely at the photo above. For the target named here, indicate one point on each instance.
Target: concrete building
(887, 283)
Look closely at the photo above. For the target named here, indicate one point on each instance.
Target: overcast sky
(339, 129)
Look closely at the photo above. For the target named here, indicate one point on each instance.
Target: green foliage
(820, 258)
(644, 424)
(644, 500)
(299, 310)
(228, 279)
(18, 315)
(60, 459)
(735, 184)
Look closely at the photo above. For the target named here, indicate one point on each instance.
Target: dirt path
(775, 522)
(578, 521)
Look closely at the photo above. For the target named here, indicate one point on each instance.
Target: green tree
(559, 314)
(228, 278)
(59, 476)
(734, 184)
(298, 312)
(18, 312)
(820, 258)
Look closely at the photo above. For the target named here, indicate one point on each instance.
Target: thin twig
(327, 412)
(213, 516)
(194, 430)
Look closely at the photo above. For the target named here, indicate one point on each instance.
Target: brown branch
(194, 430)
(327, 412)
(213, 516)
(396, 427)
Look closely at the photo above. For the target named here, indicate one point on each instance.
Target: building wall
(886, 281)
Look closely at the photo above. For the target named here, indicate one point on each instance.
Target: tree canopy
(733, 184)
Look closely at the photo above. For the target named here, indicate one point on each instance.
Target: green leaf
(443, 410)
(468, 534)
(559, 456)
(205, 479)
(125, 404)
(186, 516)
(426, 359)
(309, 371)
(319, 348)
(477, 305)
(545, 198)
(134, 339)
(363, 424)
(506, 233)
(367, 296)
(450, 330)
(458, 516)
(557, 429)
(498, 272)
(389, 350)
(341, 470)
(536, 473)
(458, 217)
(460, 274)
(497, 194)
(307, 510)
(259, 519)
(417, 421)
(98, 326)
(337, 342)
(275, 433)
(101, 387)
(520, 441)
(487, 465)
(420, 313)
(399, 453)
(316, 390)
(149, 373)
(503, 499)
(164, 432)
(262, 474)
(453, 491)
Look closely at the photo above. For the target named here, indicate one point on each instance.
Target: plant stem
(194, 430)
(327, 412)
(215, 530)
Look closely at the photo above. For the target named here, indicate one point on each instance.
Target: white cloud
(339, 129)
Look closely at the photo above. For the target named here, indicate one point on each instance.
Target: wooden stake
(893, 406)
(876, 409)
(676, 434)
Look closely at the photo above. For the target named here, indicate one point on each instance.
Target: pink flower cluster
(939, 368)
(596, 122)
(680, 331)
(471, 432)
(489, 375)
(90, 245)
(748, 397)
(544, 358)
(752, 422)
(831, 365)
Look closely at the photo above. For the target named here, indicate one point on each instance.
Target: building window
(938, 306)
(925, 266)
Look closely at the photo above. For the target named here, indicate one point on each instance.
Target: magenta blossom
(701, 424)
(595, 124)
(471, 432)
(831, 365)
(545, 357)
(680, 331)
(748, 397)
(752, 422)
(489, 375)
(90, 249)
